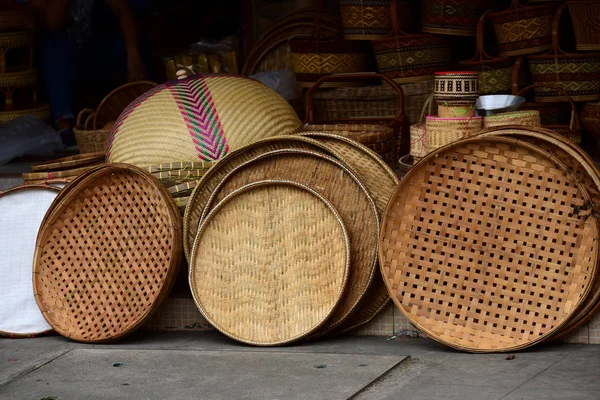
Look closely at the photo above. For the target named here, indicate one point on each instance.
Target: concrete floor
(186, 365)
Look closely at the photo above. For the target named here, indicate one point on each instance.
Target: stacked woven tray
(281, 238)
(490, 243)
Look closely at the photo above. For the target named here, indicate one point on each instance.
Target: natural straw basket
(572, 131)
(584, 15)
(337, 183)
(410, 57)
(418, 135)
(528, 118)
(265, 296)
(90, 297)
(451, 17)
(88, 139)
(523, 29)
(442, 131)
(590, 118)
(371, 19)
(380, 180)
(577, 74)
(419, 243)
(494, 72)
(116, 101)
(210, 180)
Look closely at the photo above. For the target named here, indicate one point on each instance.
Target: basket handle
(480, 53)
(310, 118)
(90, 119)
(515, 75)
(574, 115)
(82, 114)
(428, 102)
(396, 31)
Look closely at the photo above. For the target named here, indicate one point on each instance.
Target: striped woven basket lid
(199, 118)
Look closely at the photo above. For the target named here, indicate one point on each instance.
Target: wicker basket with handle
(410, 57)
(523, 29)
(371, 19)
(88, 139)
(494, 72)
(452, 17)
(585, 15)
(577, 74)
(572, 131)
(364, 130)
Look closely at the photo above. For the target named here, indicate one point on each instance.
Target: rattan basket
(116, 235)
(572, 131)
(494, 72)
(88, 139)
(577, 74)
(371, 19)
(42, 112)
(527, 118)
(485, 297)
(452, 17)
(410, 57)
(584, 15)
(522, 29)
(590, 119)
(443, 131)
(456, 87)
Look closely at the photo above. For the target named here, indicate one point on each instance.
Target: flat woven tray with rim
(204, 187)
(270, 263)
(106, 253)
(333, 180)
(489, 244)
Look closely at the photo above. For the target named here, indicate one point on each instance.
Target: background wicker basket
(590, 118)
(89, 140)
(523, 29)
(116, 101)
(577, 74)
(572, 131)
(443, 131)
(371, 19)
(452, 17)
(494, 72)
(527, 118)
(410, 57)
(584, 15)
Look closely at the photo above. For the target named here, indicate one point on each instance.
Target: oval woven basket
(522, 29)
(204, 187)
(583, 168)
(442, 131)
(528, 118)
(23, 208)
(576, 74)
(380, 180)
(459, 269)
(293, 278)
(335, 182)
(106, 254)
(200, 118)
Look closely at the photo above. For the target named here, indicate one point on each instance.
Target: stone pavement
(199, 365)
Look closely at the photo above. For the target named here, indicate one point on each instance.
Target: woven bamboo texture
(42, 112)
(338, 184)
(116, 101)
(23, 209)
(380, 180)
(200, 118)
(80, 160)
(528, 118)
(371, 19)
(106, 254)
(89, 140)
(590, 119)
(583, 168)
(456, 111)
(584, 15)
(221, 168)
(522, 29)
(457, 266)
(459, 86)
(443, 131)
(270, 263)
(18, 79)
(452, 17)
(418, 140)
(362, 133)
(576, 74)
(50, 175)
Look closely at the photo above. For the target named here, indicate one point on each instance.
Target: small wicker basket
(443, 131)
(89, 140)
(528, 118)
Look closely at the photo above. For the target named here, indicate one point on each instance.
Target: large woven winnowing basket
(200, 118)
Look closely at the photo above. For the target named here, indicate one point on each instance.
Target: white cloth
(21, 214)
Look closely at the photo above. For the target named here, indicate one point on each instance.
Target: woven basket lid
(487, 245)
(106, 254)
(270, 263)
(380, 181)
(333, 180)
(200, 118)
(210, 180)
(23, 210)
(583, 168)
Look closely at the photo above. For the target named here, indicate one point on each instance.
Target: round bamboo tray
(23, 208)
(106, 254)
(380, 181)
(583, 168)
(473, 269)
(204, 187)
(270, 263)
(342, 188)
